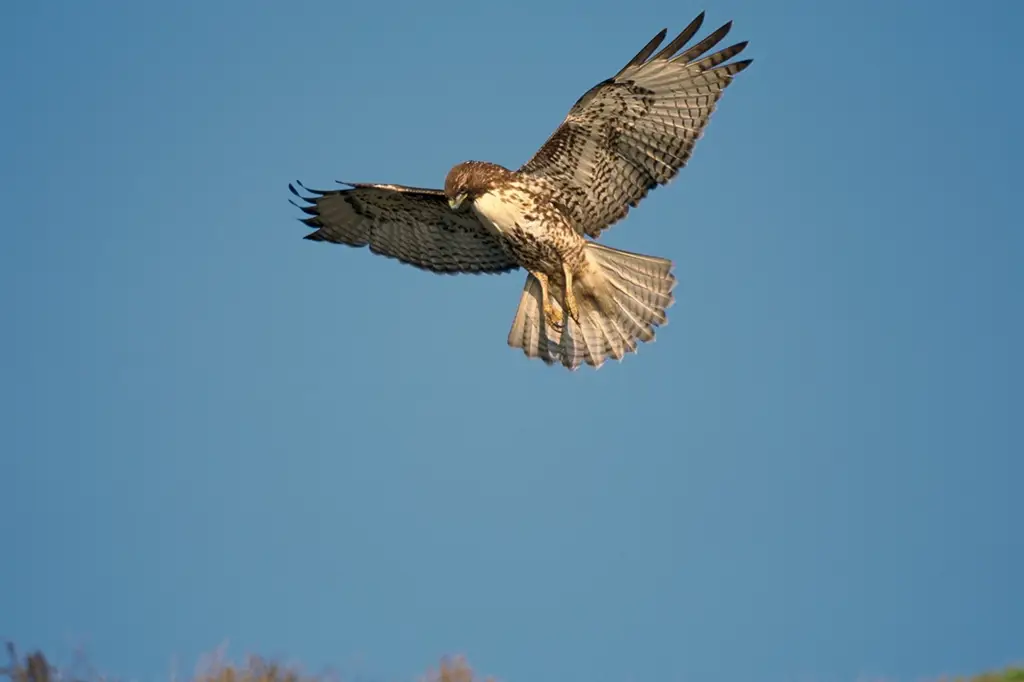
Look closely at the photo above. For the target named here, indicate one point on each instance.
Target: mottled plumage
(582, 302)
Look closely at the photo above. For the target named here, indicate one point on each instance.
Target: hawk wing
(411, 224)
(634, 131)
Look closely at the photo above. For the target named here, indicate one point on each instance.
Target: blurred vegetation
(34, 667)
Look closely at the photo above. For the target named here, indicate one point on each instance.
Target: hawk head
(469, 179)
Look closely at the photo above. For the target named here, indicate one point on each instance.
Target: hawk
(582, 302)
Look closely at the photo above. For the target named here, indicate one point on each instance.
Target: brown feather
(634, 132)
(410, 224)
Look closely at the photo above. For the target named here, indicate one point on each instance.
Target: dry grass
(35, 668)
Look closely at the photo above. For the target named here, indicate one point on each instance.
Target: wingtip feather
(680, 40)
(318, 192)
(644, 53)
(736, 67)
(703, 46)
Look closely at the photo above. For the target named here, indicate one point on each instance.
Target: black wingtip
(704, 45)
(644, 53)
(308, 200)
(317, 192)
(680, 40)
(740, 65)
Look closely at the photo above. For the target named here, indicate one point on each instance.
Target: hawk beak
(457, 202)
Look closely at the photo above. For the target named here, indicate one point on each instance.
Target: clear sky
(215, 431)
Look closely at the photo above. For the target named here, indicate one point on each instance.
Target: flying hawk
(582, 302)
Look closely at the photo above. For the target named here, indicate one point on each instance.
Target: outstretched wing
(633, 132)
(411, 224)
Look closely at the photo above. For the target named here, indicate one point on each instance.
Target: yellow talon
(570, 298)
(570, 305)
(553, 315)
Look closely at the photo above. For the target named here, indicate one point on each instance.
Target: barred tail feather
(530, 330)
(621, 299)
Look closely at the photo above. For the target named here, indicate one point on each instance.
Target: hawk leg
(553, 316)
(570, 298)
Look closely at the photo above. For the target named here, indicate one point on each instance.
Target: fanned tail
(622, 298)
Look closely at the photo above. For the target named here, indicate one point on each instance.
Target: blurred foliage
(35, 668)
(1013, 674)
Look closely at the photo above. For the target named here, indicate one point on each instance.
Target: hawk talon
(570, 298)
(572, 307)
(553, 316)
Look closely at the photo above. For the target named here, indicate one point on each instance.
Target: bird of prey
(582, 302)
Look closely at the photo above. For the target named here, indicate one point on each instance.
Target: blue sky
(215, 431)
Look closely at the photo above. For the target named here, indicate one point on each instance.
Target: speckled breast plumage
(532, 230)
